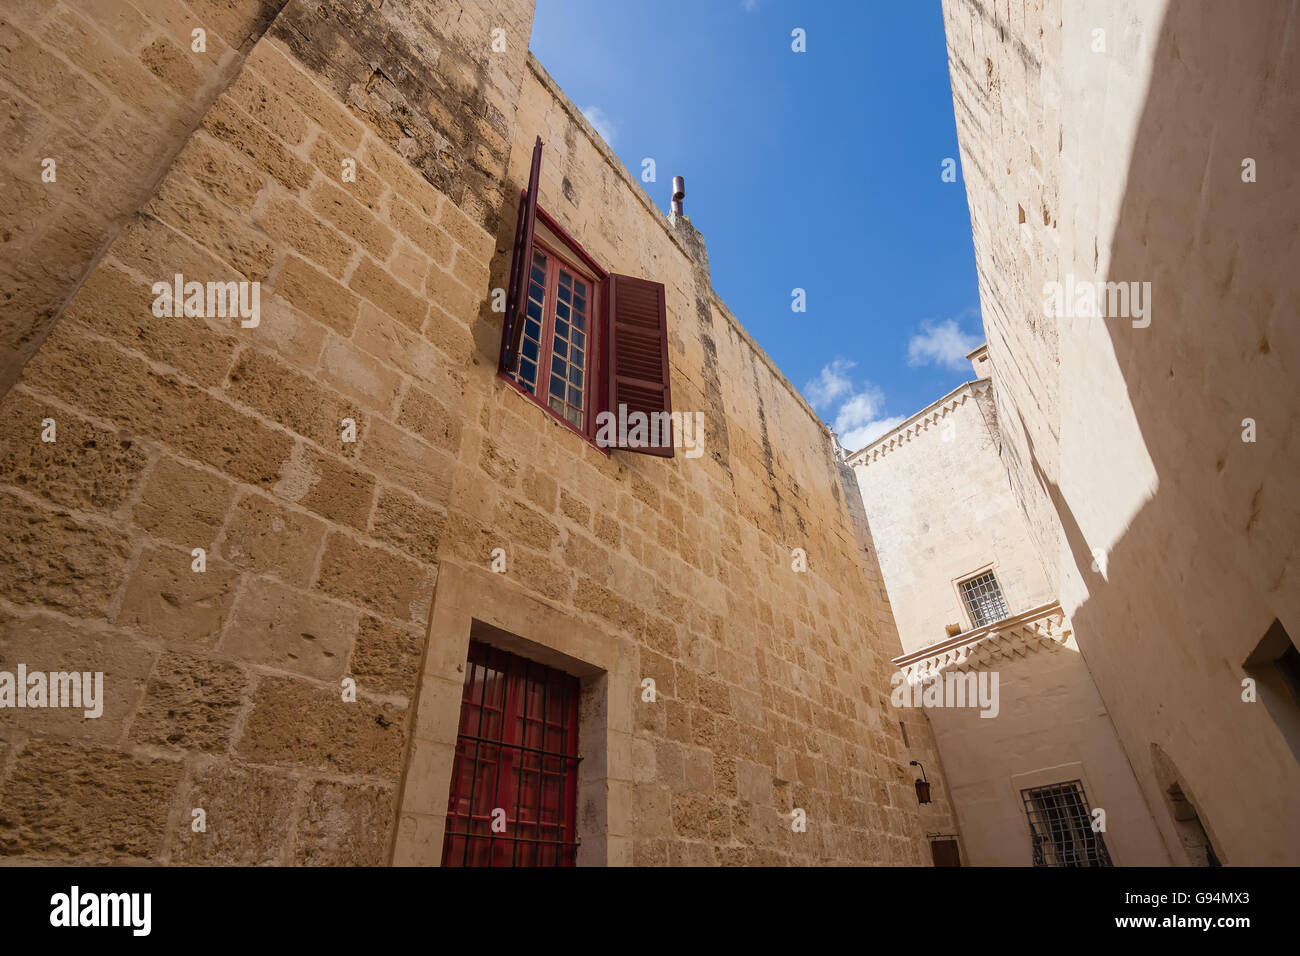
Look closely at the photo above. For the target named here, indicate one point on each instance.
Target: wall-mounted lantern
(922, 785)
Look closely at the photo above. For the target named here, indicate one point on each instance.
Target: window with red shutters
(579, 341)
(516, 762)
(638, 351)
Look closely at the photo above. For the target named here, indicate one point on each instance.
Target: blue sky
(817, 170)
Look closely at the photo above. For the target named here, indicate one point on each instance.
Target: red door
(513, 798)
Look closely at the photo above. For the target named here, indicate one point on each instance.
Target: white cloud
(943, 344)
(859, 438)
(831, 382)
(859, 422)
(749, 6)
(858, 409)
(602, 123)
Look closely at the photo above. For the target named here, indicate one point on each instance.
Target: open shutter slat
(638, 352)
(521, 257)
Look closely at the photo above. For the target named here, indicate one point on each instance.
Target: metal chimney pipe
(679, 193)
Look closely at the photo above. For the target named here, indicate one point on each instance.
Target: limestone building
(1030, 764)
(362, 583)
(1151, 438)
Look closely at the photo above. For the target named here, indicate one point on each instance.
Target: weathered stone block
(51, 559)
(299, 724)
(374, 578)
(120, 306)
(232, 126)
(291, 398)
(374, 283)
(85, 467)
(326, 486)
(264, 536)
(214, 167)
(183, 505)
(334, 205)
(168, 599)
(50, 644)
(344, 825)
(66, 801)
(408, 462)
(307, 288)
(407, 524)
(291, 630)
(248, 813)
(386, 658)
(226, 235)
(430, 419)
(191, 702)
(125, 390)
(359, 376)
(302, 231)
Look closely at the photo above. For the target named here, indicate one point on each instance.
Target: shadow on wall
(1208, 562)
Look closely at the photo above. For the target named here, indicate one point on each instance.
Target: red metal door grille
(517, 752)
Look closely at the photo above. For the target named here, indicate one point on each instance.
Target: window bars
(1060, 826)
(513, 797)
(983, 599)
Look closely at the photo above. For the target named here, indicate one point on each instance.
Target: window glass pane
(564, 308)
(983, 599)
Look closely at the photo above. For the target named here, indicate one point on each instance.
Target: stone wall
(1171, 541)
(109, 90)
(1051, 728)
(328, 559)
(936, 496)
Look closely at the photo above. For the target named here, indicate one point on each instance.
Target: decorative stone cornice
(922, 421)
(1041, 628)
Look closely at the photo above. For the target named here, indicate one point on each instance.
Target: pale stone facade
(936, 497)
(941, 511)
(370, 560)
(1170, 541)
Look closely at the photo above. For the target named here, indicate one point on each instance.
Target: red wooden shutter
(519, 260)
(638, 355)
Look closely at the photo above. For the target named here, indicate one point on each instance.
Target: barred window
(1060, 826)
(514, 783)
(983, 599)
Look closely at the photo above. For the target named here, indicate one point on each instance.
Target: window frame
(510, 705)
(579, 261)
(1044, 830)
(959, 583)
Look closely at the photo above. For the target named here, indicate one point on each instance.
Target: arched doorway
(1182, 809)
